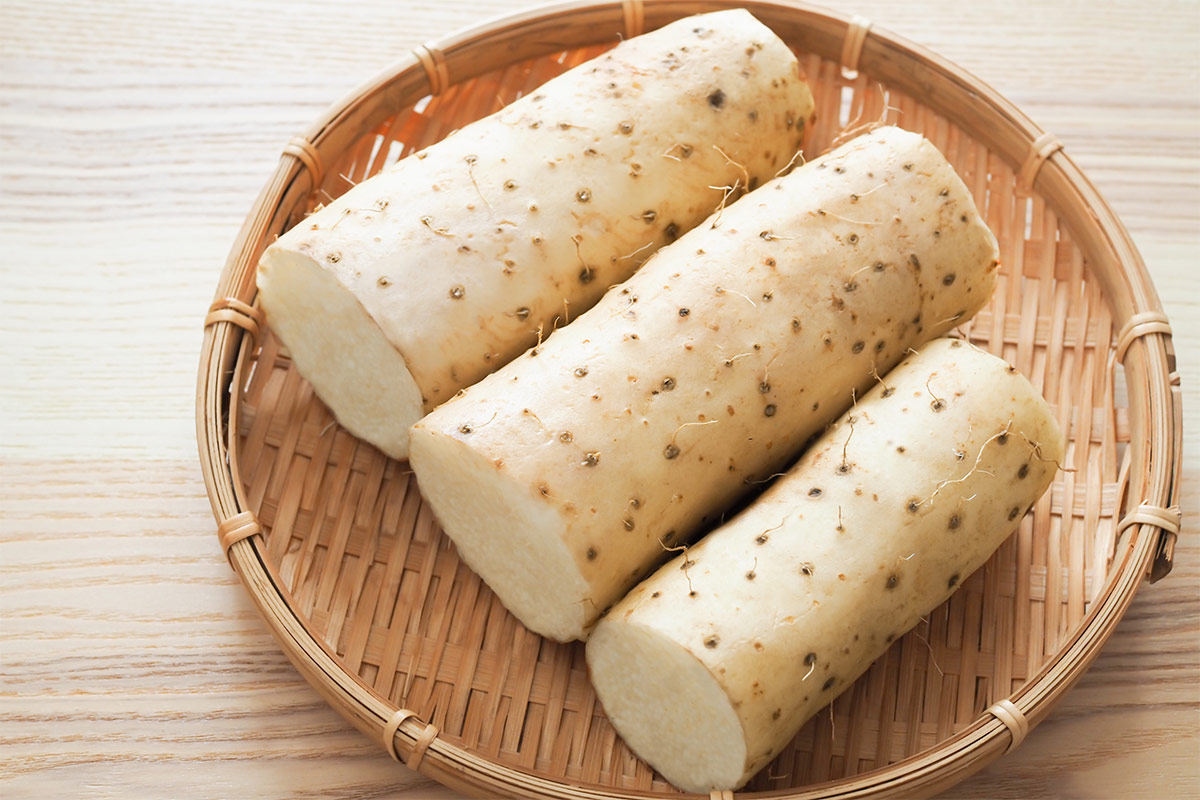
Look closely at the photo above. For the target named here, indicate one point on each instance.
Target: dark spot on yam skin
(828, 684)
(565, 437)
(683, 312)
(656, 594)
(581, 371)
(465, 428)
(880, 345)
(950, 584)
(888, 392)
(585, 275)
(891, 637)
(948, 280)
(776, 713)
(938, 405)
(711, 642)
(769, 411)
(761, 538)
(457, 292)
(717, 99)
(858, 347)
(1002, 439)
(955, 521)
(1013, 513)
(807, 568)
(810, 659)
(1023, 472)
(668, 384)
(629, 523)
(583, 195)
(670, 452)
(814, 492)
(672, 231)
(591, 554)
(893, 581)
(913, 506)
(591, 459)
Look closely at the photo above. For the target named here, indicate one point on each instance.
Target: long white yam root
(563, 477)
(710, 667)
(425, 278)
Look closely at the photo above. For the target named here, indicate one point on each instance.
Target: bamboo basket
(368, 598)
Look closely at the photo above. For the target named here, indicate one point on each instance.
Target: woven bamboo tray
(369, 600)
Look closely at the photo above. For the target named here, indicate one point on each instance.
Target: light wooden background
(133, 138)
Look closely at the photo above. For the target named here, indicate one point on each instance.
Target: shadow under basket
(368, 597)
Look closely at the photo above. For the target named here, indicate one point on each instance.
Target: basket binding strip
(369, 601)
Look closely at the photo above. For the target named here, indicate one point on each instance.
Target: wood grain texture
(134, 137)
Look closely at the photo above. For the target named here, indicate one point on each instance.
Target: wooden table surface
(133, 138)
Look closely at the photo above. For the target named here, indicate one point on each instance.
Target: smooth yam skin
(705, 373)
(787, 604)
(460, 253)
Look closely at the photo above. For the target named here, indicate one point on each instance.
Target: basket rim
(1154, 447)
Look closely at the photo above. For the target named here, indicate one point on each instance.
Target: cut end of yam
(697, 737)
(505, 533)
(338, 347)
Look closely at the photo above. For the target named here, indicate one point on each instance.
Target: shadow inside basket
(370, 570)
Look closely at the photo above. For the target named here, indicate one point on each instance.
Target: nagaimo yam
(709, 667)
(562, 477)
(428, 276)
